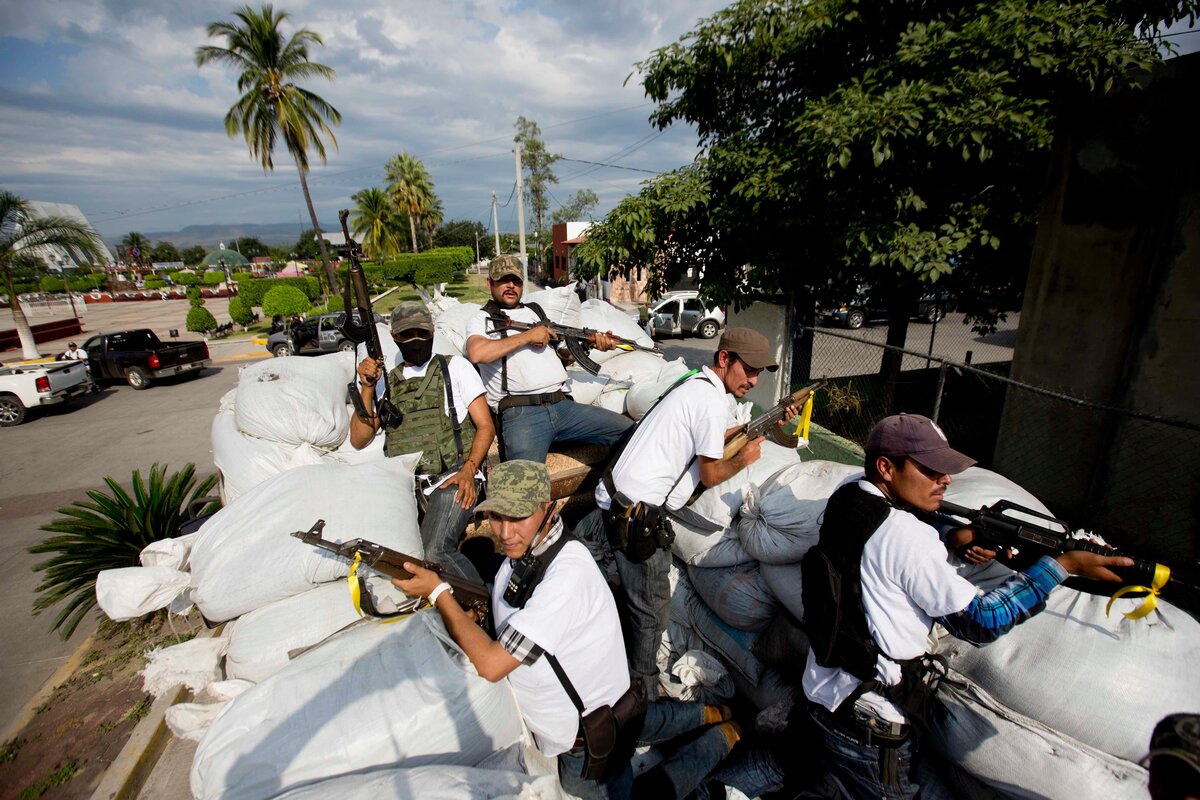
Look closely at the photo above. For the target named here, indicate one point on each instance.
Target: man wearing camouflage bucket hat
(559, 644)
(525, 378)
(443, 415)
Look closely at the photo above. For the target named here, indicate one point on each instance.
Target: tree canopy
(375, 221)
(538, 165)
(904, 142)
(411, 189)
(578, 207)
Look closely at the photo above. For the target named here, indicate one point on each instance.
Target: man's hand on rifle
(1092, 565)
(959, 541)
(539, 336)
(750, 453)
(422, 582)
(602, 340)
(369, 371)
(463, 483)
(789, 413)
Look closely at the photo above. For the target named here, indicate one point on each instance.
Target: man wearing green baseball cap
(559, 644)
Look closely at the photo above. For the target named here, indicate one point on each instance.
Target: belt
(862, 727)
(516, 400)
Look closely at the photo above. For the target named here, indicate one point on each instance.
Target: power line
(612, 166)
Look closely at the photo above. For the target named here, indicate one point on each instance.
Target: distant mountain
(212, 235)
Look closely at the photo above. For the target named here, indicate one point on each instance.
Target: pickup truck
(26, 386)
(312, 336)
(139, 357)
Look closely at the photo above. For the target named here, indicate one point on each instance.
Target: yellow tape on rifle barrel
(805, 417)
(355, 596)
(1162, 574)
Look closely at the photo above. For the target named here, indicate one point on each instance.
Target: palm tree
(411, 189)
(432, 217)
(272, 104)
(134, 239)
(374, 222)
(21, 236)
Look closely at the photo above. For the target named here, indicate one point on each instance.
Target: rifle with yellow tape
(1027, 534)
(738, 438)
(473, 597)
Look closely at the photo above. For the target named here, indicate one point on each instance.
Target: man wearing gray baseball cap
(873, 586)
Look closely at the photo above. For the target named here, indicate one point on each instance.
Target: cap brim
(516, 273)
(513, 509)
(946, 460)
(770, 366)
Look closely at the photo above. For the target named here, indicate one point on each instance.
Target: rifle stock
(762, 423)
(577, 341)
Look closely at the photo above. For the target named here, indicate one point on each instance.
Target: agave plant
(107, 532)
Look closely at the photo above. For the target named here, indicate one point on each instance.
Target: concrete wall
(1110, 315)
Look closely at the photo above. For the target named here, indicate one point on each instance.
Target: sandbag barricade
(246, 461)
(738, 595)
(296, 400)
(602, 316)
(396, 696)
(436, 781)
(780, 519)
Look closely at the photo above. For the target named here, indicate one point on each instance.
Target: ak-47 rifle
(758, 426)
(576, 340)
(1007, 526)
(473, 597)
(357, 296)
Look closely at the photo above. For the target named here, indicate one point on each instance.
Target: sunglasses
(412, 334)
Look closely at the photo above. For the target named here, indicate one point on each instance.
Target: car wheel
(137, 378)
(12, 411)
(282, 350)
(707, 329)
(346, 346)
(855, 320)
(934, 314)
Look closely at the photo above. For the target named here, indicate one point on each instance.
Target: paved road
(57, 455)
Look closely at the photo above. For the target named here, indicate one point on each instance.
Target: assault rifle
(576, 340)
(1007, 526)
(363, 330)
(758, 426)
(473, 597)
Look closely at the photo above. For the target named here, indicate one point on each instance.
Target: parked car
(26, 386)
(312, 336)
(139, 357)
(867, 306)
(682, 313)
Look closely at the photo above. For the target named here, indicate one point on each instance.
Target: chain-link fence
(1132, 477)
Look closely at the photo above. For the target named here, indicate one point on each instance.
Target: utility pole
(495, 227)
(521, 217)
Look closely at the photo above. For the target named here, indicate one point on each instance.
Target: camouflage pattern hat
(517, 489)
(504, 265)
(409, 315)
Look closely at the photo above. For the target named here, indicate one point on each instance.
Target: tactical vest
(425, 425)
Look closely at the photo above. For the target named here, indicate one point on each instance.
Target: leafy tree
(280, 255)
(306, 247)
(200, 320)
(240, 311)
(411, 189)
(432, 216)
(273, 105)
(251, 247)
(335, 303)
(134, 240)
(51, 283)
(165, 251)
(374, 223)
(538, 166)
(21, 235)
(903, 143)
(284, 301)
(195, 298)
(463, 233)
(579, 206)
(191, 256)
(109, 531)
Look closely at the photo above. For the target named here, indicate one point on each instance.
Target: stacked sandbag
(246, 461)
(296, 400)
(441, 781)
(560, 305)
(398, 696)
(645, 393)
(780, 519)
(603, 316)
(450, 318)
(737, 595)
(688, 668)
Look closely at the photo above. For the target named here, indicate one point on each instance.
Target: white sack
(632, 367)
(720, 503)
(560, 305)
(731, 646)
(399, 695)
(643, 395)
(192, 720)
(450, 319)
(130, 592)
(586, 388)
(435, 781)
(977, 487)
(296, 400)
(781, 518)
(612, 399)
(784, 582)
(1105, 681)
(246, 461)
(195, 664)
(173, 553)
(260, 642)
(1021, 757)
(601, 316)
(246, 558)
(347, 454)
(708, 548)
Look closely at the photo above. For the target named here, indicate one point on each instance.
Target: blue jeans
(682, 771)
(442, 527)
(530, 430)
(646, 591)
(857, 766)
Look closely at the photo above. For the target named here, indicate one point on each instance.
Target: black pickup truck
(139, 357)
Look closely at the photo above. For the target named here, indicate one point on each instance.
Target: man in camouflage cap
(443, 416)
(526, 380)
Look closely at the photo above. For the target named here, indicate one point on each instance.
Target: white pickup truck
(25, 386)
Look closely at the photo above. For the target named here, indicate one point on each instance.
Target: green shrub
(154, 283)
(50, 283)
(200, 320)
(184, 278)
(213, 278)
(335, 303)
(240, 311)
(431, 273)
(238, 277)
(194, 297)
(284, 301)
(108, 531)
(460, 257)
(253, 290)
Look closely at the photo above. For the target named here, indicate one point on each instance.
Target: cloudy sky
(102, 106)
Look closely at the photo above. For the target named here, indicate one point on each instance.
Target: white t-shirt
(78, 354)
(689, 422)
(907, 582)
(531, 370)
(571, 614)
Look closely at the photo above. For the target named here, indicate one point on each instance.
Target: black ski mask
(416, 351)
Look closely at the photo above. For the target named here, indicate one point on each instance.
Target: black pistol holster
(638, 530)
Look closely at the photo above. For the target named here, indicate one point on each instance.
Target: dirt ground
(65, 749)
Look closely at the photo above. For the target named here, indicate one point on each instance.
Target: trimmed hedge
(254, 290)
(429, 274)
(213, 278)
(184, 278)
(154, 284)
(238, 277)
(284, 301)
(49, 283)
(200, 320)
(240, 311)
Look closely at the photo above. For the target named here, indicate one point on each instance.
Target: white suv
(682, 313)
